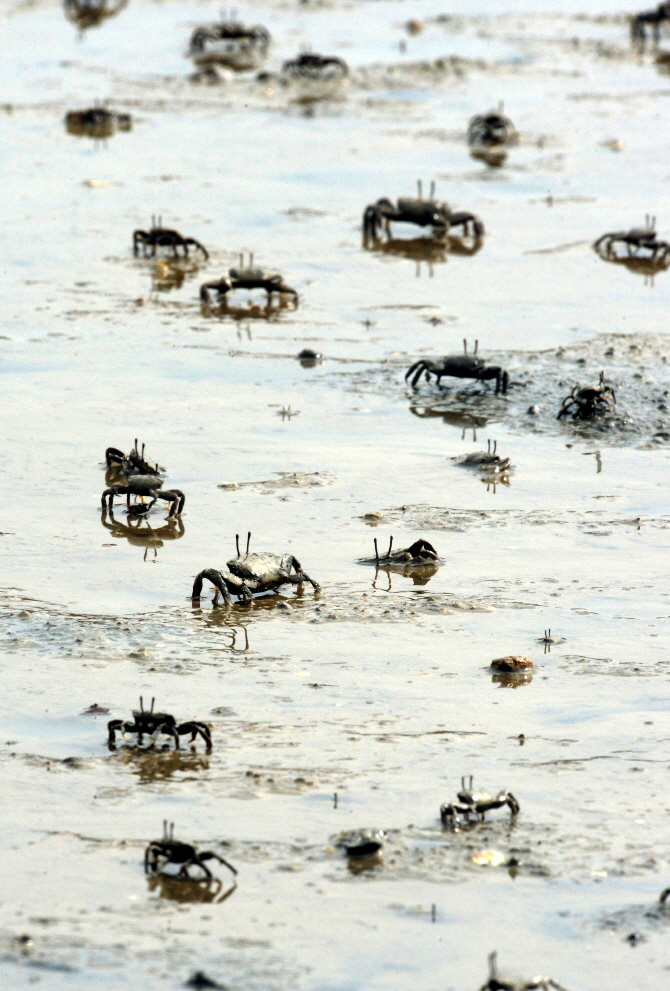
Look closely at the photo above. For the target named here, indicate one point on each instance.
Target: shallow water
(378, 689)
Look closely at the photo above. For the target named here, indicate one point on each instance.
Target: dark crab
(491, 130)
(487, 460)
(309, 65)
(586, 402)
(247, 278)
(162, 237)
(462, 366)
(133, 463)
(475, 804)
(96, 122)
(146, 722)
(160, 853)
(424, 213)
(506, 982)
(360, 842)
(144, 486)
(421, 552)
(229, 43)
(649, 19)
(641, 242)
(90, 13)
(251, 573)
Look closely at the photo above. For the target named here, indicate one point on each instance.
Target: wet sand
(379, 688)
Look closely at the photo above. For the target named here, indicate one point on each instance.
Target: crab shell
(263, 569)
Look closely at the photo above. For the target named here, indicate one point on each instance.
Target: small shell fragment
(227, 485)
(488, 858)
(512, 663)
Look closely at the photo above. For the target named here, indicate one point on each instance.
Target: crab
(247, 278)
(640, 242)
(462, 366)
(159, 853)
(90, 13)
(491, 130)
(146, 722)
(133, 463)
(144, 486)
(360, 842)
(504, 982)
(421, 552)
(96, 122)
(475, 803)
(309, 65)
(585, 402)
(162, 237)
(425, 213)
(250, 573)
(649, 18)
(487, 460)
(229, 43)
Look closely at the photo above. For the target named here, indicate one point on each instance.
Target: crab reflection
(184, 890)
(493, 157)
(648, 267)
(433, 250)
(139, 532)
(453, 417)
(270, 310)
(169, 273)
(159, 765)
(89, 13)
(359, 865)
(512, 679)
(419, 573)
(494, 481)
(220, 618)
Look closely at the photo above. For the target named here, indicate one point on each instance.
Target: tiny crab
(504, 982)
(162, 237)
(229, 43)
(309, 65)
(360, 842)
(586, 402)
(144, 486)
(160, 853)
(475, 803)
(90, 13)
(649, 18)
(462, 366)
(425, 213)
(251, 573)
(146, 722)
(418, 553)
(96, 122)
(247, 278)
(491, 130)
(487, 460)
(640, 242)
(133, 463)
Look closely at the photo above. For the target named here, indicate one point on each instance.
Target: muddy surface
(362, 705)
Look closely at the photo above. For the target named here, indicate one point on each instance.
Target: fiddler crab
(133, 463)
(229, 43)
(309, 65)
(90, 13)
(424, 213)
(462, 366)
(163, 237)
(649, 18)
(96, 122)
(487, 460)
(146, 722)
(247, 278)
(252, 573)
(639, 241)
(166, 851)
(475, 803)
(585, 402)
(506, 982)
(360, 842)
(144, 486)
(418, 553)
(491, 130)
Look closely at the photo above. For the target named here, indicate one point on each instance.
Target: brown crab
(163, 237)
(247, 278)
